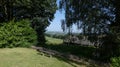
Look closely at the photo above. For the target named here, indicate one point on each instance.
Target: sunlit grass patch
(51, 40)
(25, 57)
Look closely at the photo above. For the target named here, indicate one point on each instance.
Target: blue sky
(56, 23)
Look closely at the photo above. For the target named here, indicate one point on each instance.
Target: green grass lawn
(25, 57)
(55, 41)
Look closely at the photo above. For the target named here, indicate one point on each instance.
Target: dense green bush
(115, 62)
(109, 48)
(17, 34)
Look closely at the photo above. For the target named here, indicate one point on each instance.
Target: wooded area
(98, 17)
(23, 24)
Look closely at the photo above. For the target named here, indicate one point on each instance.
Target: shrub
(109, 48)
(115, 62)
(17, 34)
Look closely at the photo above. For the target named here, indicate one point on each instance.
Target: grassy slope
(24, 57)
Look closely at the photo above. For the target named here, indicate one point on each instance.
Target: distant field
(24, 57)
(51, 40)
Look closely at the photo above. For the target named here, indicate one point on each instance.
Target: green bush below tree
(17, 34)
(115, 62)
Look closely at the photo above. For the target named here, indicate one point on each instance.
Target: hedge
(17, 34)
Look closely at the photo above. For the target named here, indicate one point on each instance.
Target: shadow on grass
(70, 62)
(81, 51)
(85, 53)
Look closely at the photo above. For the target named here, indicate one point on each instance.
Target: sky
(56, 23)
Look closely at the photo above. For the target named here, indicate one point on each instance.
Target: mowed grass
(55, 41)
(26, 57)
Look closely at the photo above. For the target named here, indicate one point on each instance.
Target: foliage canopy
(95, 18)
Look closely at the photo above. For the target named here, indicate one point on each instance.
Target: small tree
(39, 25)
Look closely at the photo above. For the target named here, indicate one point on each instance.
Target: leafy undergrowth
(115, 62)
(24, 57)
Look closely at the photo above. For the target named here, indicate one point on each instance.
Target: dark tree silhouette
(96, 17)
